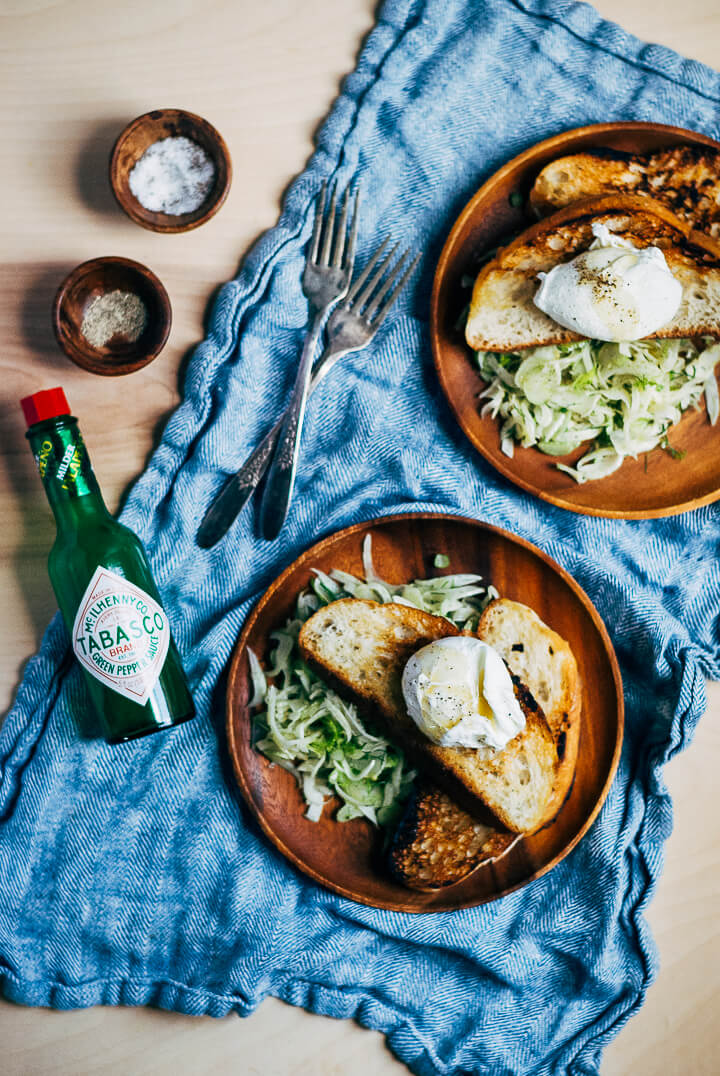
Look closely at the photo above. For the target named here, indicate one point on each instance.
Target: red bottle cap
(42, 405)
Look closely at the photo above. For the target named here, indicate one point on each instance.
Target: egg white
(614, 291)
(459, 693)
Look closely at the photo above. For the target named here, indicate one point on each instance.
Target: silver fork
(349, 329)
(326, 279)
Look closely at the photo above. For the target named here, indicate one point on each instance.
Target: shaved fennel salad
(306, 728)
(622, 397)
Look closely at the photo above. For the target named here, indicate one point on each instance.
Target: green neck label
(63, 462)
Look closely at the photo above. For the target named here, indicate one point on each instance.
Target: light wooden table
(72, 74)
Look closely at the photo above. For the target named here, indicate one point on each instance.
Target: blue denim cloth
(132, 875)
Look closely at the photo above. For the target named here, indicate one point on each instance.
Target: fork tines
(331, 245)
(376, 307)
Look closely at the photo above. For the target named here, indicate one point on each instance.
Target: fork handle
(239, 488)
(281, 477)
(237, 491)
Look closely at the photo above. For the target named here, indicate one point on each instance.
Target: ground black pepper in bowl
(111, 316)
(114, 313)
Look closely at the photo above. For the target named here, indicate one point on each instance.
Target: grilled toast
(363, 647)
(545, 663)
(685, 179)
(503, 316)
(437, 843)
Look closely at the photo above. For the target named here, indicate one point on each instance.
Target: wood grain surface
(74, 73)
(656, 484)
(344, 856)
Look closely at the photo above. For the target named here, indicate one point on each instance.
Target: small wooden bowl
(152, 127)
(119, 355)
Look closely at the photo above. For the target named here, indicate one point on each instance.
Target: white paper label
(121, 635)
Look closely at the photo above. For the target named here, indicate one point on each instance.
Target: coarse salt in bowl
(174, 176)
(170, 170)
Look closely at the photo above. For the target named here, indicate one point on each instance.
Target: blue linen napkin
(132, 875)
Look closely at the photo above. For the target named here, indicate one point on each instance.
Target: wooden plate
(656, 485)
(345, 856)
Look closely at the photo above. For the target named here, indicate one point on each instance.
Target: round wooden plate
(656, 485)
(345, 856)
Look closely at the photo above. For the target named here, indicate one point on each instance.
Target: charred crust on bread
(560, 744)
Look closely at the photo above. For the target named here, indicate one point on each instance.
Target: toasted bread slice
(686, 179)
(438, 843)
(545, 663)
(364, 646)
(503, 316)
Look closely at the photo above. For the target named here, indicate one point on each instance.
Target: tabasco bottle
(98, 568)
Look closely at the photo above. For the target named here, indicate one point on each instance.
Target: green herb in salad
(621, 397)
(306, 728)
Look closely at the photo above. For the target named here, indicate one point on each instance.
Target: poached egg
(459, 693)
(614, 291)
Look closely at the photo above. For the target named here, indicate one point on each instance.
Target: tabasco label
(121, 635)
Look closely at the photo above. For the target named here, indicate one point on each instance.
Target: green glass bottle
(101, 578)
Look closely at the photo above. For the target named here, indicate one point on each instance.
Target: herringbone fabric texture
(132, 875)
